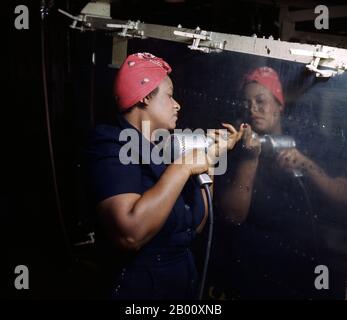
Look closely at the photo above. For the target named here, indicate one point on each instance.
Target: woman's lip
(257, 118)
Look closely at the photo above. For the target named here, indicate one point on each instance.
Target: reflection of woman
(277, 235)
(148, 212)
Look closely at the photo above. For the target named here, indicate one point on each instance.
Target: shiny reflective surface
(291, 242)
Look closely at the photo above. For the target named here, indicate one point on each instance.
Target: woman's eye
(260, 101)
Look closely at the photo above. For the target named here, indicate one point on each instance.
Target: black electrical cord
(50, 144)
(209, 240)
(311, 213)
(92, 83)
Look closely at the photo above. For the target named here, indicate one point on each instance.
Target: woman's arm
(131, 220)
(236, 199)
(334, 189)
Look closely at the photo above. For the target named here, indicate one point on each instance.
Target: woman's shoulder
(104, 132)
(103, 140)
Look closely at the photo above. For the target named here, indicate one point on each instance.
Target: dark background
(40, 226)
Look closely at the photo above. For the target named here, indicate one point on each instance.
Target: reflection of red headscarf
(269, 79)
(139, 75)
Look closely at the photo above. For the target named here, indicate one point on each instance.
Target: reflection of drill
(274, 144)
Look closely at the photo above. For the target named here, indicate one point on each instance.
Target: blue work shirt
(106, 176)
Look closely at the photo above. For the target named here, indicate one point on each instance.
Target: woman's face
(162, 108)
(262, 108)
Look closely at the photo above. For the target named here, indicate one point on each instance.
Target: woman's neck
(140, 122)
(277, 129)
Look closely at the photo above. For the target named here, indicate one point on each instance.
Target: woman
(150, 212)
(276, 243)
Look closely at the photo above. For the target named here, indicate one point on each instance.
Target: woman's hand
(232, 135)
(224, 141)
(291, 159)
(194, 162)
(250, 142)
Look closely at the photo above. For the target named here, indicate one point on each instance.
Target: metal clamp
(76, 19)
(199, 35)
(323, 53)
(131, 25)
(91, 240)
(82, 18)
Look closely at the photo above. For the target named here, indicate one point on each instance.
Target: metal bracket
(131, 25)
(91, 240)
(201, 35)
(76, 19)
(85, 25)
(93, 9)
(321, 53)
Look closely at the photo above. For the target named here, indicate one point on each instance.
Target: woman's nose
(254, 107)
(176, 105)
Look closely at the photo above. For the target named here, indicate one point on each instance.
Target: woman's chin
(259, 128)
(172, 125)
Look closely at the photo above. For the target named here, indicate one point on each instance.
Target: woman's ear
(145, 101)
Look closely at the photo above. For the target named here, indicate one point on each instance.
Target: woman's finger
(229, 127)
(232, 133)
(247, 134)
(212, 134)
